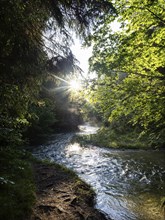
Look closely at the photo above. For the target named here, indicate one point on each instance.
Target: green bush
(16, 185)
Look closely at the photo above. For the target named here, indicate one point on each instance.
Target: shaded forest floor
(62, 195)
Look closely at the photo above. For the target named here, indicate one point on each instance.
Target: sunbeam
(70, 84)
(75, 85)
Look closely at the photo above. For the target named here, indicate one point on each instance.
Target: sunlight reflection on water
(73, 148)
(87, 129)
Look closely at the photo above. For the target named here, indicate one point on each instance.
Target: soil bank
(61, 195)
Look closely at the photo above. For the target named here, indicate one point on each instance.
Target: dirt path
(62, 196)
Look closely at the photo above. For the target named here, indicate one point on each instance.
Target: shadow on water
(129, 184)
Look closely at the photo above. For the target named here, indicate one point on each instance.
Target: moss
(84, 192)
(163, 205)
(57, 166)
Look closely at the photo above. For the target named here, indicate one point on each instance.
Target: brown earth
(62, 196)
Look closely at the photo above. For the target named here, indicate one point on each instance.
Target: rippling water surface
(129, 184)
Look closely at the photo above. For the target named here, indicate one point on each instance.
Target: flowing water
(129, 184)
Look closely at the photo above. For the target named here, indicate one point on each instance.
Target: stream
(129, 184)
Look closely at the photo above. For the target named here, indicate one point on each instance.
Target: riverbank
(110, 138)
(60, 194)
(31, 189)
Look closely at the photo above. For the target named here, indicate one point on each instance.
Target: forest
(126, 98)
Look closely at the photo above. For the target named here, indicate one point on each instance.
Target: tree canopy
(130, 64)
(35, 37)
(32, 34)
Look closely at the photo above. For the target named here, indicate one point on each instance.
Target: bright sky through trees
(82, 54)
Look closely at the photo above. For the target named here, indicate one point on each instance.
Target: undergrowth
(16, 184)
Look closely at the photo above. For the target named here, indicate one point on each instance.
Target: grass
(112, 139)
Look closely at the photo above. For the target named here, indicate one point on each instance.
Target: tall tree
(133, 62)
(31, 32)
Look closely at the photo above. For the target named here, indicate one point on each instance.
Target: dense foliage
(16, 185)
(32, 34)
(130, 63)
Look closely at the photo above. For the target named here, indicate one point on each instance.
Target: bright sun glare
(75, 85)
